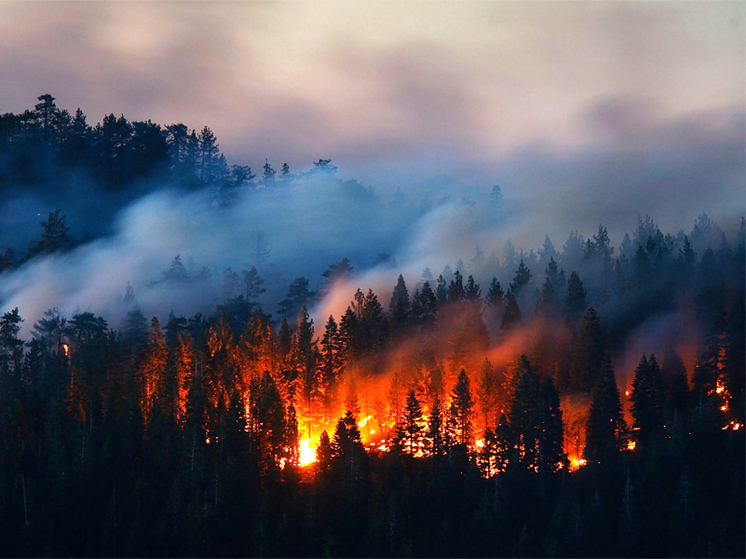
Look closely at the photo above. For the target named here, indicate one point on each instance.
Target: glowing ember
(736, 426)
(720, 387)
(631, 445)
(66, 349)
(479, 443)
(576, 463)
(307, 454)
(723, 408)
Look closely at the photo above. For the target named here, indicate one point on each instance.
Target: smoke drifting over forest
(451, 279)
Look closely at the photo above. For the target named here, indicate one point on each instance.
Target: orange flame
(307, 453)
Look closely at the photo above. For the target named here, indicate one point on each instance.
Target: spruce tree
(524, 412)
(253, 284)
(512, 313)
(575, 303)
(605, 426)
(409, 430)
(521, 279)
(646, 397)
(435, 440)
(551, 429)
(399, 306)
(461, 410)
(494, 298)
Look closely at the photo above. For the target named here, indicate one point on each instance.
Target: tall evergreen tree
(399, 306)
(551, 429)
(605, 427)
(410, 429)
(253, 283)
(524, 413)
(646, 397)
(461, 410)
(512, 313)
(521, 279)
(575, 304)
(494, 298)
(435, 440)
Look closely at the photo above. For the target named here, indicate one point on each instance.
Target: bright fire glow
(307, 454)
(576, 463)
(480, 443)
(66, 349)
(364, 422)
(631, 445)
(720, 387)
(626, 393)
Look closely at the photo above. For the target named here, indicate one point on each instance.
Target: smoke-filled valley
(195, 360)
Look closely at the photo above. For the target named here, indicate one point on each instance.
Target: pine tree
(323, 456)
(606, 426)
(209, 151)
(297, 297)
(331, 362)
(488, 395)
(268, 177)
(347, 449)
(521, 279)
(494, 298)
(292, 438)
(399, 306)
(409, 430)
(374, 327)
(646, 397)
(551, 429)
(504, 444)
(512, 313)
(588, 353)
(253, 284)
(575, 304)
(461, 410)
(548, 302)
(456, 288)
(524, 412)
(441, 290)
(305, 358)
(55, 235)
(425, 307)
(472, 291)
(435, 439)
(11, 347)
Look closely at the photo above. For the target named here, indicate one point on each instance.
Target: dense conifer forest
(501, 407)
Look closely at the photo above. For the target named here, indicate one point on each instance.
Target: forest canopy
(586, 401)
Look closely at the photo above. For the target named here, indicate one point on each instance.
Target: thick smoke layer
(296, 228)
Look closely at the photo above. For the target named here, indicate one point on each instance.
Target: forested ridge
(488, 410)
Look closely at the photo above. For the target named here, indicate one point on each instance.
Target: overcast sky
(608, 100)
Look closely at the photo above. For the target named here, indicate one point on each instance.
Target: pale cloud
(395, 92)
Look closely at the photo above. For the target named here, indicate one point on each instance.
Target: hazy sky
(537, 96)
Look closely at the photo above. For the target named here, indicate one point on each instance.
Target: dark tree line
(187, 437)
(191, 435)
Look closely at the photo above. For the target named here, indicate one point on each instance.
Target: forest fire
(369, 396)
(307, 453)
